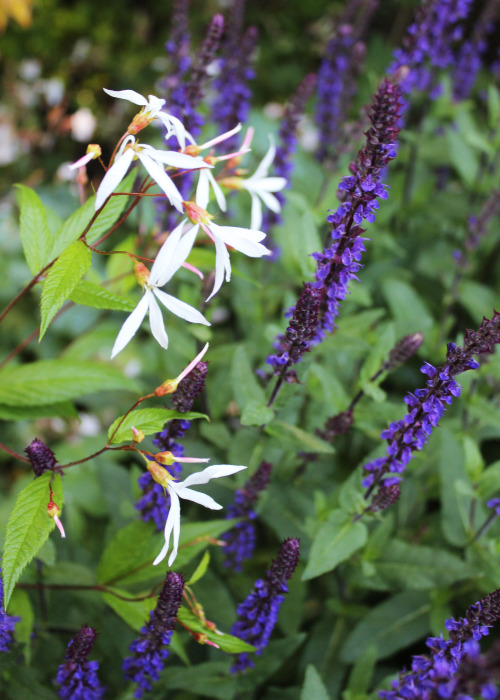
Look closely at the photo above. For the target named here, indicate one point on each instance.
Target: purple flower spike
(41, 457)
(258, 614)
(240, 540)
(7, 623)
(77, 676)
(150, 650)
(426, 406)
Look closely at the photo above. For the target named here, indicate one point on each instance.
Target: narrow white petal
(175, 125)
(222, 265)
(167, 258)
(270, 201)
(175, 159)
(162, 179)
(222, 137)
(266, 161)
(213, 472)
(172, 524)
(130, 95)
(201, 498)
(113, 177)
(256, 217)
(219, 195)
(180, 308)
(242, 239)
(270, 184)
(154, 103)
(202, 189)
(157, 324)
(131, 325)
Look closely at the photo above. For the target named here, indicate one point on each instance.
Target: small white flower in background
(171, 256)
(83, 124)
(178, 490)
(260, 187)
(152, 109)
(154, 161)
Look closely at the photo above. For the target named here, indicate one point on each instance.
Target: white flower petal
(263, 168)
(201, 498)
(154, 104)
(162, 179)
(256, 215)
(157, 324)
(113, 177)
(177, 127)
(176, 160)
(219, 195)
(169, 258)
(172, 525)
(202, 189)
(222, 264)
(270, 184)
(130, 95)
(270, 201)
(131, 325)
(180, 308)
(242, 239)
(214, 472)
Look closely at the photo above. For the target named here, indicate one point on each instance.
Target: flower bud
(141, 273)
(138, 435)
(53, 511)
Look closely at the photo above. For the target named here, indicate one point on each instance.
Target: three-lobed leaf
(62, 279)
(28, 528)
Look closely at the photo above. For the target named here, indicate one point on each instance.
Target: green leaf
(134, 612)
(211, 680)
(407, 307)
(313, 686)
(362, 672)
(63, 277)
(391, 626)
(462, 156)
(337, 539)
(34, 229)
(20, 605)
(412, 566)
(73, 227)
(200, 570)
(112, 211)
(149, 420)
(130, 552)
(478, 299)
(256, 413)
(90, 294)
(226, 642)
(488, 483)
(290, 434)
(245, 385)
(28, 528)
(50, 381)
(63, 409)
(455, 505)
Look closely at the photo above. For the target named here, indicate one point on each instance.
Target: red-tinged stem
(106, 448)
(14, 454)
(20, 347)
(24, 291)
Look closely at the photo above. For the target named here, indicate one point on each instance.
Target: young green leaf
(28, 528)
(34, 229)
(226, 642)
(90, 294)
(296, 436)
(63, 277)
(149, 420)
(134, 612)
(313, 686)
(200, 570)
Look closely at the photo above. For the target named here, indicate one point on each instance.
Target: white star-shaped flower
(171, 256)
(152, 109)
(154, 161)
(178, 490)
(261, 187)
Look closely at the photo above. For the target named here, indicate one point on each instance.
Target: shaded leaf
(63, 409)
(337, 539)
(313, 686)
(33, 228)
(90, 294)
(226, 642)
(290, 434)
(134, 612)
(149, 420)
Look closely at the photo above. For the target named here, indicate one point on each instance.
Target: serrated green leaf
(73, 227)
(296, 436)
(200, 570)
(28, 528)
(63, 277)
(63, 409)
(337, 539)
(256, 413)
(113, 209)
(20, 606)
(132, 550)
(90, 294)
(313, 686)
(33, 228)
(390, 626)
(149, 420)
(134, 612)
(245, 386)
(50, 381)
(226, 642)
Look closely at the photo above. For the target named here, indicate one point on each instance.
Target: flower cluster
(435, 676)
(41, 457)
(77, 676)
(427, 405)
(258, 614)
(429, 43)
(150, 650)
(7, 623)
(240, 540)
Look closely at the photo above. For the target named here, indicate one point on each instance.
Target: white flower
(154, 161)
(171, 256)
(178, 490)
(152, 109)
(261, 187)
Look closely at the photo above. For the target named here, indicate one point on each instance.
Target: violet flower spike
(7, 623)
(77, 676)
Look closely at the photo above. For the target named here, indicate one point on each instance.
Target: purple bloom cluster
(7, 623)
(77, 676)
(428, 45)
(154, 504)
(41, 457)
(469, 58)
(258, 614)
(435, 676)
(287, 141)
(427, 405)
(151, 648)
(240, 540)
